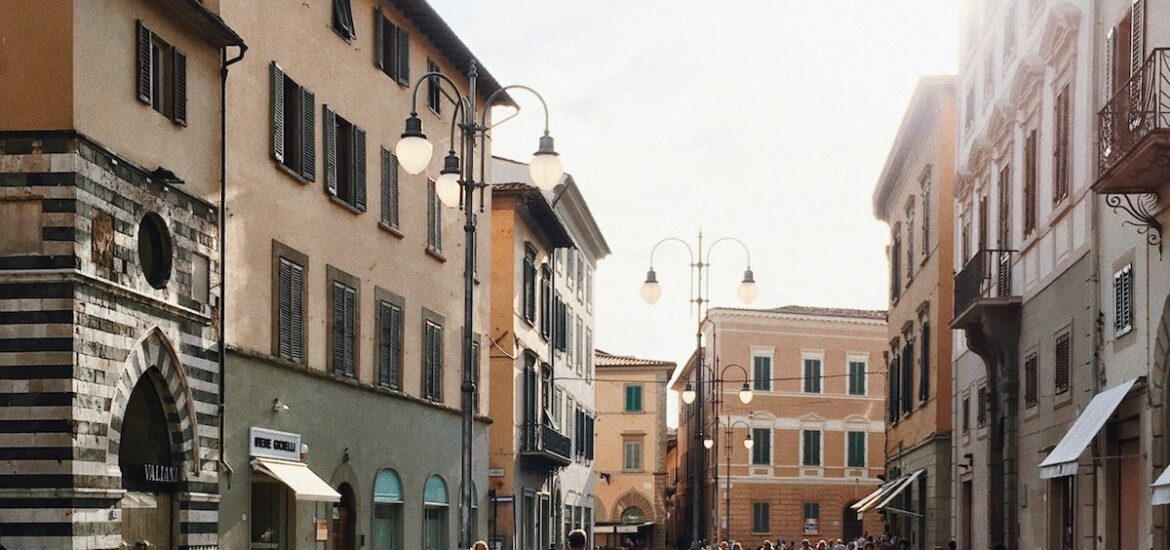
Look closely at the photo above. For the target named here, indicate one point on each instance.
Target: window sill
(391, 230)
(339, 202)
(289, 172)
(436, 254)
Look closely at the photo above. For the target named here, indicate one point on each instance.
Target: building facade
(914, 197)
(631, 445)
(109, 273)
(815, 419)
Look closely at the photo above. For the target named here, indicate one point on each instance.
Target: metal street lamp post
(748, 444)
(700, 296)
(456, 187)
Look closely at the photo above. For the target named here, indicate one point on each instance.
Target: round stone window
(155, 250)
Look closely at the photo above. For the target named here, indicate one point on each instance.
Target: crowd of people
(883, 542)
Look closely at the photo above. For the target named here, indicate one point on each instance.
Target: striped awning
(1062, 461)
(883, 495)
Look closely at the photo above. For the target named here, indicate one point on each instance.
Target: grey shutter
(180, 86)
(144, 81)
(924, 364)
(379, 45)
(350, 330)
(338, 328)
(389, 188)
(385, 337)
(329, 131)
(1138, 38)
(284, 310)
(359, 168)
(403, 45)
(395, 347)
(1108, 69)
(277, 113)
(297, 313)
(432, 217)
(308, 136)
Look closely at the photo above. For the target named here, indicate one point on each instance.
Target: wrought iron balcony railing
(988, 274)
(1137, 116)
(544, 442)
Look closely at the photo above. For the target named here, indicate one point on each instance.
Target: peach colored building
(631, 442)
(914, 197)
(816, 420)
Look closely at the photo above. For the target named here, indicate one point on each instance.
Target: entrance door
(434, 525)
(341, 528)
(1129, 492)
(966, 502)
(146, 520)
(850, 524)
(149, 474)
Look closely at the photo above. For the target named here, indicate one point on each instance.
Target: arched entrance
(851, 524)
(150, 473)
(341, 527)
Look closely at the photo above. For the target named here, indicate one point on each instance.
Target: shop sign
(812, 526)
(274, 444)
(150, 476)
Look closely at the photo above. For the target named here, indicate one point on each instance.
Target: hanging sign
(812, 526)
(274, 444)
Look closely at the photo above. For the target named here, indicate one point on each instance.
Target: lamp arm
(491, 99)
(441, 77)
(746, 377)
(741, 244)
(674, 239)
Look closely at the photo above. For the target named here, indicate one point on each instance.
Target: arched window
(435, 504)
(633, 514)
(387, 532)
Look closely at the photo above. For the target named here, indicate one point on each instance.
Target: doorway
(341, 526)
(149, 472)
(966, 502)
(851, 524)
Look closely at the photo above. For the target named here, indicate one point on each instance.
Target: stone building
(815, 419)
(110, 392)
(631, 443)
(914, 197)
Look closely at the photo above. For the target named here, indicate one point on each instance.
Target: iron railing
(987, 274)
(539, 437)
(1137, 109)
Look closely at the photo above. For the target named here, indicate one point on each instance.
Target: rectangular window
(856, 449)
(983, 221)
(389, 189)
(1063, 362)
(762, 450)
(924, 362)
(343, 19)
(760, 517)
(895, 266)
(966, 417)
(570, 266)
(589, 289)
(434, 92)
(910, 240)
(432, 360)
(857, 377)
(1123, 301)
(906, 393)
(633, 398)
(546, 302)
(560, 316)
(581, 279)
(434, 219)
(390, 344)
(588, 353)
(812, 375)
(925, 184)
(293, 119)
(162, 75)
(812, 511)
(291, 310)
(529, 297)
(269, 514)
(893, 387)
(1060, 153)
(1004, 235)
(982, 403)
(345, 160)
(392, 49)
(632, 455)
(762, 373)
(1030, 381)
(343, 306)
(812, 448)
(579, 343)
(1030, 172)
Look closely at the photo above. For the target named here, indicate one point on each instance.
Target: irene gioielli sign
(274, 444)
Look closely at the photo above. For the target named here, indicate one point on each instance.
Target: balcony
(1134, 132)
(543, 448)
(983, 289)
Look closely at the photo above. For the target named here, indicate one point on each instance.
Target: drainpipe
(1095, 311)
(222, 351)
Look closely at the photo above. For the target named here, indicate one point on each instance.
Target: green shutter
(329, 132)
(179, 86)
(143, 79)
(308, 136)
(359, 168)
(338, 307)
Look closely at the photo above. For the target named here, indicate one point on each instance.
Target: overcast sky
(763, 120)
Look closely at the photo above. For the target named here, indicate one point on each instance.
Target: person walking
(576, 539)
(839, 546)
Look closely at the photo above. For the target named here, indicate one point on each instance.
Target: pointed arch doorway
(150, 473)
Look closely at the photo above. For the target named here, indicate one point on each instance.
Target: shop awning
(1162, 488)
(298, 477)
(1062, 461)
(883, 495)
(622, 528)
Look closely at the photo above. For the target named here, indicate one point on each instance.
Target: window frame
(293, 125)
(1123, 300)
(385, 300)
(763, 353)
(863, 361)
(432, 323)
(280, 252)
(819, 357)
(805, 448)
(638, 394)
(629, 442)
(342, 21)
(764, 509)
(335, 279)
(434, 88)
(528, 290)
(391, 48)
(161, 78)
(849, 441)
(762, 438)
(434, 220)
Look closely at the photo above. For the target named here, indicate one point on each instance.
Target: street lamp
(747, 292)
(748, 444)
(456, 186)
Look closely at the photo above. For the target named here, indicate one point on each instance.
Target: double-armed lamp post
(700, 296)
(456, 187)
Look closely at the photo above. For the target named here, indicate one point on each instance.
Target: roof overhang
(205, 21)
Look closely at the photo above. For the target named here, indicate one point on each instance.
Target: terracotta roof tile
(603, 359)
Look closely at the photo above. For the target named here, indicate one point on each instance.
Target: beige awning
(884, 494)
(1062, 461)
(297, 475)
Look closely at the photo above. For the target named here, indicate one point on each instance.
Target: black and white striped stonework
(80, 327)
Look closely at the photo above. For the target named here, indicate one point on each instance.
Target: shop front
(281, 482)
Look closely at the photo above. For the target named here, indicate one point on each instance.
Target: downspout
(1095, 311)
(222, 352)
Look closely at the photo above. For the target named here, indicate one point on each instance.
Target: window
(434, 220)
(389, 189)
(589, 288)
(434, 92)
(966, 417)
(293, 120)
(632, 455)
(982, 403)
(1123, 301)
(155, 250)
(760, 517)
(200, 278)
(924, 362)
(270, 509)
(812, 511)
(909, 240)
(435, 507)
(289, 320)
(560, 334)
(812, 375)
(343, 19)
(569, 347)
(895, 266)
(387, 528)
(1030, 171)
(529, 297)
(762, 373)
(571, 266)
(546, 302)
(578, 343)
(546, 388)
(811, 448)
(633, 398)
(1030, 397)
(965, 241)
(1063, 361)
(342, 322)
(558, 407)
(762, 450)
(162, 75)
(1060, 153)
(588, 353)
(856, 449)
(581, 279)
(857, 377)
(925, 184)
(390, 341)
(1004, 192)
(983, 219)
(392, 49)
(906, 393)
(432, 359)
(345, 160)
(893, 387)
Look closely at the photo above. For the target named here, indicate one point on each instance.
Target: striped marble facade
(80, 327)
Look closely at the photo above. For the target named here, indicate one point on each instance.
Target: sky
(767, 121)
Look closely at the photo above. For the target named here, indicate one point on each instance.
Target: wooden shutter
(908, 378)
(308, 136)
(1030, 393)
(297, 313)
(1137, 45)
(395, 347)
(338, 307)
(1030, 183)
(893, 388)
(432, 210)
(143, 79)
(350, 331)
(385, 342)
(1108, 62)
(1060, 151)
(403, 62)
(389, 188)
(379, 46)
(1062, 363)
(179, 86)
(284, 310)
(277, 112)
(329, 127)
(1004, 232)
(359, 168)
(924, 364)
(983, 223)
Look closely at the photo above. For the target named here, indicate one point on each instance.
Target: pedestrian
(576, 539)
(839, 546)
(723, 545)
(904, 544)
(805, 545)
(479, 545)
(737, 546)
(953, 545)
